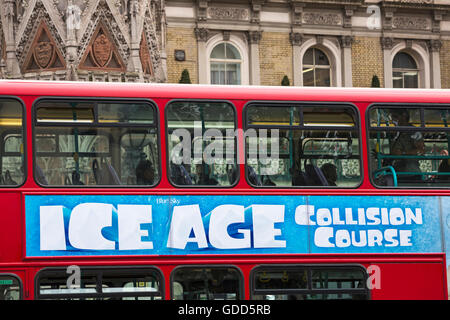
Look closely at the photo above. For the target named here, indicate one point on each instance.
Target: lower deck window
(201, 283)
(100, 284)
(309, 283)
(10, 288)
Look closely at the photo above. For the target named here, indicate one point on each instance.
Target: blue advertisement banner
(94, 225)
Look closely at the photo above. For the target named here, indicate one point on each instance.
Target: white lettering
(322, 237)
(86, 223)
(52, 228)
(303, 215)
(264, 232)
(396, 216)
(222, 217)
(323, 217)
(186, 219)
(130, 233)
(342, 239)
(372, 214)
(410, 216)
(405, 238)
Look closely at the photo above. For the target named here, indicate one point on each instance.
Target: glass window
(316, 68)
(125, 113)
(96, 143)
(202, 144)
(12, 151)
(409, 146)
(101, 284)
(309, 283)
(10, 288)
(201, 283)
(405, 71)
(307, 146)
(225, 64)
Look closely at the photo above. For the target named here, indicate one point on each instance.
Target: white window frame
(318, 66)
(239, 44)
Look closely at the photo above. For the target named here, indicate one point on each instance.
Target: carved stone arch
(44, 54)
(103, 18)
(30, 30)
(154, 53)
(145, 56)
(102, 52)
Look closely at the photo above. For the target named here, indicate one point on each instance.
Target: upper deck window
(12, 160)
(201, 143)
(302, 145)
(92, 143)
(409, 146)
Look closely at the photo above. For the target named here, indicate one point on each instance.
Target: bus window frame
(236, 140)
(98, 270)
(19, 280)
(95, 100)
(211, 266)
(24, 142)
(300, 104)
(422, 128)
(309, 289)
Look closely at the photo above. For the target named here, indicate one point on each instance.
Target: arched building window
(405, 73)
(316, 68)
(225, 64)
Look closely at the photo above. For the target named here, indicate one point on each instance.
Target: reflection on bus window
(302, 146)
(211, 283)
(117, 283)
(409, 146)
(12, 149)
(309, 283)
(10, 288)
(202, 144)
(93, 143)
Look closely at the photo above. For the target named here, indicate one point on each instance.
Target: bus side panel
(410, 281)
(11, 232)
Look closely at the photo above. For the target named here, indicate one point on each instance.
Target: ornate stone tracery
(77, 39)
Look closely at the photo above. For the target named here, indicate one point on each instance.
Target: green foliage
(185, 78)
(375, 81)
(285, 81)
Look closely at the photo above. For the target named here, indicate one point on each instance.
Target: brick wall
(275, 58)
(181, 39)
(445, 64)
(367, 61)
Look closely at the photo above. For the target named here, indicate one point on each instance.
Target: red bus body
(403, 276)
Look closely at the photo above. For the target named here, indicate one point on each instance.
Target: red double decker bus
(186, 192)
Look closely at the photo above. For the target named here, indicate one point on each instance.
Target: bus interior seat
(253, 177)
(315, 175)
(113, 176)
(180, 175)
(105, 174)
(300, 179)
(40, 176)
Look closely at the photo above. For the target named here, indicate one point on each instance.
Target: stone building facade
(343, 43)
(84, 40)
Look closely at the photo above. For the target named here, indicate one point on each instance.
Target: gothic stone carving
(223, 13)
(411, 23)
(101, 53)
(331, 19)
(43, 53)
